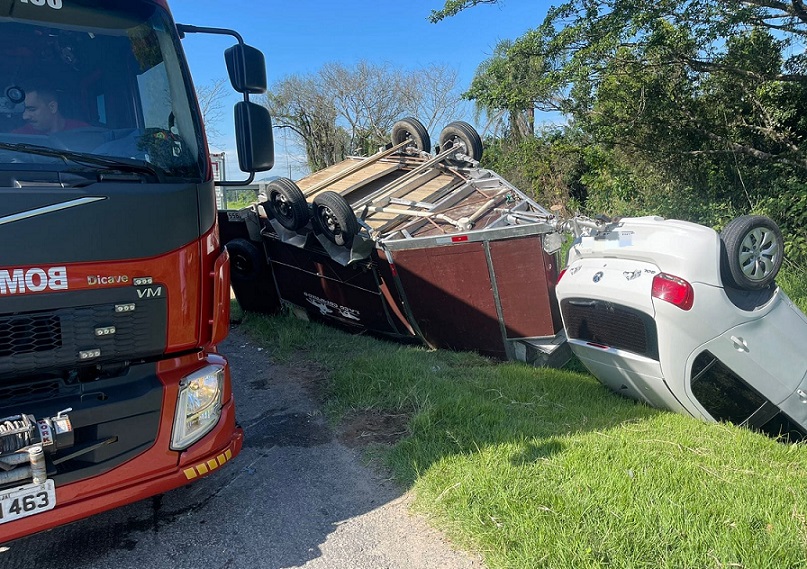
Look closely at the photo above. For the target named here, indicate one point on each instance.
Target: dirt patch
(358, 429)
(363, 428)
(312, 377)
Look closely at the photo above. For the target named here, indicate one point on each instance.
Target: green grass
(546, 468)
(793, 280)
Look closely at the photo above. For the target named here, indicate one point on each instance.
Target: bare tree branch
(211, 104)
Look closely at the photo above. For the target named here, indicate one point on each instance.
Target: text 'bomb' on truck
(114, 290)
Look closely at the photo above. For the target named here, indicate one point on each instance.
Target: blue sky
(299, 37)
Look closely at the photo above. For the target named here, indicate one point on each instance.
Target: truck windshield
(98, 78)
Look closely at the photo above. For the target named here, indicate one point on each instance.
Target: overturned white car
(678, 316)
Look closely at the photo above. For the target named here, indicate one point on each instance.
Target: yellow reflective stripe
(205, 467)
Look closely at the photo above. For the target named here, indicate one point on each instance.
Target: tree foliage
(454, 7)
(694, 106)
(504, 89)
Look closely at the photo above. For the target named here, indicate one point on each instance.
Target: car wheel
(334, 218)
(411, 129)
(459, 131)
(287, 204)
(752, 254)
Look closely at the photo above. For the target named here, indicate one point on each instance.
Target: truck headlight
(199, 406)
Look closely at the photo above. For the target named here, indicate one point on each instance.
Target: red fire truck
(114, 290)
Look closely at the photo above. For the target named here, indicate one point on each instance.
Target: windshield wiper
(113, 163)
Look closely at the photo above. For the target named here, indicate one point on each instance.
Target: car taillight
(560, 275)
(674, 290)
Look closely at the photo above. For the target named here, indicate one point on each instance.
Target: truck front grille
(609, 324)
(30, 390)
(94, 329)
(29, 333)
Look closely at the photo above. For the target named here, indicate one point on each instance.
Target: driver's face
(40, 113)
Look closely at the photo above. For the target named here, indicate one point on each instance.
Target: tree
(504, 89)
(301, 105)
(702, 58)
(695, 109)
(211, 104)
(344, 110)
(368, 97)
(433, 96)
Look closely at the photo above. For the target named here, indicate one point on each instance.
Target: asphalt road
(295, 497)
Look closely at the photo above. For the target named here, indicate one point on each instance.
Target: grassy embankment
(547, 468)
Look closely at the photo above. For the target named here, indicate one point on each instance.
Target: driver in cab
(42, 114)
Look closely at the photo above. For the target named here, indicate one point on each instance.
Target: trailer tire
(246, 260)
(460, 131)
(287, 204)
(334, 218)
(752, 252)
(412, 129)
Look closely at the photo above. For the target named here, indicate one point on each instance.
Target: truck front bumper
(155, 471)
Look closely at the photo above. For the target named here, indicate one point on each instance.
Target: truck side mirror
(247, 69)
(253, 133)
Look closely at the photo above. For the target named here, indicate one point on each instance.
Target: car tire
(412, 129)
(286, 203)
(459, 131)
(334, 218)
(752, 252)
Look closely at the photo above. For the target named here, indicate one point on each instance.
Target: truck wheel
(287, 203)
(246, 260)
(459, 131)
(412, 129)
(752, 252)
(334, 217)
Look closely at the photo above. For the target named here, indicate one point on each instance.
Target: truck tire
(286, 202)
(246, 260)
(460, 131)
(412, 129)
(752, 252)
(334, 218)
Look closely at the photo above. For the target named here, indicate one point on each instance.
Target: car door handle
(739, 344)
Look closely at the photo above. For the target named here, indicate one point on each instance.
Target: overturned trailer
(408, 245)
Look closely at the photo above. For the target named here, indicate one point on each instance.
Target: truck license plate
(27, 500)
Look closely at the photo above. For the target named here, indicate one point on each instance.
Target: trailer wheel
(245, 260)
(287, 203)
(334, 218)
(752, 252)
(459, 131)
(412, 129)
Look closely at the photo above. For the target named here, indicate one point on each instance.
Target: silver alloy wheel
(751, 253)
(759, 253)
